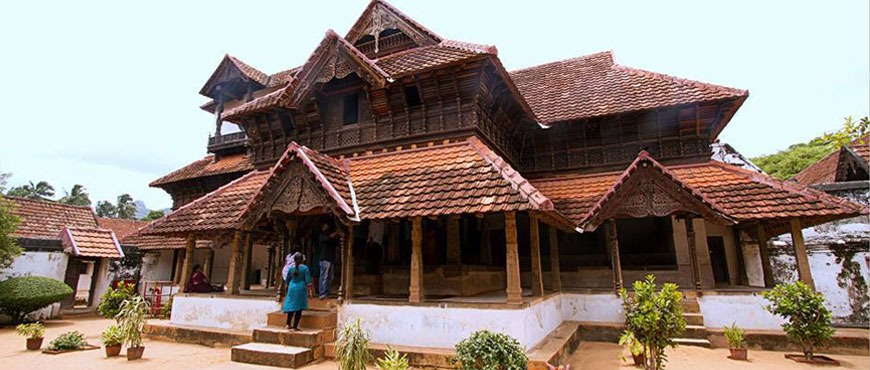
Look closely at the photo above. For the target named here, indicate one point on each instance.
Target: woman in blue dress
(298, 279)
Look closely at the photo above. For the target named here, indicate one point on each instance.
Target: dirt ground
(166, 355)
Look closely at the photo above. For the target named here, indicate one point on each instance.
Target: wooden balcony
(235, 141)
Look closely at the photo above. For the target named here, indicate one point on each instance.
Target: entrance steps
(268, 354)
(695, 333)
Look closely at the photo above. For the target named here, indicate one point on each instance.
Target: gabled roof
(90, 242)
(380, 15)
(231, 63)
(121, 227)
(208, 166)
(833, 167)
(594, 85)
(45, 219)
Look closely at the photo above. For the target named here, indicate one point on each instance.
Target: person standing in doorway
(328, 241)
(296, 301)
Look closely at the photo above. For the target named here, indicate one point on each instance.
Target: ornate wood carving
(300, 194)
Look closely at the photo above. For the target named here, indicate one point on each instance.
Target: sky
(105, 93)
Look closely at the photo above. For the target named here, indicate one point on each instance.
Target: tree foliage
(42, 190)
(654, 318)
(485, 350)
(110, 302)
(9, 248)
(852, 130)
(105, 208)
(154, 215)
(125, 207)
(4, 180)
(808, 322)
(78, 196)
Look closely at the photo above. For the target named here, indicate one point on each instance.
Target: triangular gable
(647, 189)
(379, 16)
(851, 166)
(90, 242)
(298, 184)
(230, 68)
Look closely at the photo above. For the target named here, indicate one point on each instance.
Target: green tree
(106, 209)
(4, 179)
(654, 318)
(852, 130)
(808, 322)
(125, 207)
(40, 191)
(153, 215)
(9, 248)
(78, 196)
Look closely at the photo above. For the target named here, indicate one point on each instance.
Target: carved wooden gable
(379, 17)
(296, 193)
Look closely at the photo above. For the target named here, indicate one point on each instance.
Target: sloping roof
(158, 242)
(45, 219)
(594, 85)
(90, 242)
(742, 195)
(245, 69)
(121, 227)
(207, 166)
(825, 170)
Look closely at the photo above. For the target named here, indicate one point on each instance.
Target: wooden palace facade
(490, 186)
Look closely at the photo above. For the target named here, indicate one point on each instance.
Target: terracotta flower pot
(134, 353)
(34, 344)
(114, 350)
(739, 354)
(638, 359)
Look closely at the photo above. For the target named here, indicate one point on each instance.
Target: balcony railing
(227, 141)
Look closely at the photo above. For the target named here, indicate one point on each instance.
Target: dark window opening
(646, 242)
(584, 250)
(350, 109)
(412, 96)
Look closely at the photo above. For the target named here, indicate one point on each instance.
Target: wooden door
(71, 278)
(717, 259)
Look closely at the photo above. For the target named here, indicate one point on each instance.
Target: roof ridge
(403, 151)
(678, 80)
(45, 201)
(572, 59)
(469, 46)
(156, 182)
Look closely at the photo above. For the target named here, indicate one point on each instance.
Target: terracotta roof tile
(121, 227)
(157, 242)
(45, 219)
(90, 242)
(254, 74)
(825, 170)
(594, 85)
(207, 167)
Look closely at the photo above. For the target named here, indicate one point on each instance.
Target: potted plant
(736, 338)
(627, 339)
(34, 333)
(113, 338)
(131, 321)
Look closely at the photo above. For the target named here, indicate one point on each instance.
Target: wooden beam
(416, 288)
(612, 237)
(512, 260)
(537, 275)
(209, 263)
(766, 267)
(187, 268)
(235, 264)
(555, 269)
(800, 254)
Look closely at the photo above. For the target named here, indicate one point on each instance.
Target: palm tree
(126, 208)
(78, 196)
(41, 191)
(106, 209)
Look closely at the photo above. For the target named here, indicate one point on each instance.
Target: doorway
(719, 263)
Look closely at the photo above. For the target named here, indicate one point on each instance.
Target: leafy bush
(132, 319)
(113, 336)
(808, 322)
(20, 296)
(627, 339)
(654, 318)
(166, 308)
(32, 330)
(392, 361)
(486, 350)
(68, 341)
(110, 302)
(735, 336)
(351, 349)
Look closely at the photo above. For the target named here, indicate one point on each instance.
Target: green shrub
(351, 349)
(68, 341)
(627, 339)
(166, 308)
(654, 318)
(392, 361)
(113, 336)
(110, 302)
(132, 318)
(485, 350)
(20, 296)
(735, 336)
(32, 330)
(808, 322)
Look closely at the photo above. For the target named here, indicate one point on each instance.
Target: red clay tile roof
(825, 170)
(743, 195)
(45, 219)
(157, 242)
(207, 167)
(90, 242)
(120, 226)
(594, 85)
(254, 74)
(218, 211)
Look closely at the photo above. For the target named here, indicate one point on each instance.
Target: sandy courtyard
(165, 355)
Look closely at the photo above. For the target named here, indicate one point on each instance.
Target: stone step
(692, 342)
(310, 319)
(329, 304)
(695, 332)
(694, 319)
(272, 355)
(690, 305)
(308, 338)
(211, 337)
(556, 347)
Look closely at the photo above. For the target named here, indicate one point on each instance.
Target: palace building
(470, 196)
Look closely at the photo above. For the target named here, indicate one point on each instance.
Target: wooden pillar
(179, 262)
(555, 268)
(800, 254)
(347, 263)
(454, 257)
(416, 290)
(269, 266)
(612, 236)
(537, 275)
(245, 275)
(235, 264)
(693, 253)
(187, 266)
(766, 267)
(209, 263)
(512, 260)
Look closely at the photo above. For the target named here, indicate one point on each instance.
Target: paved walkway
(166, 355)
